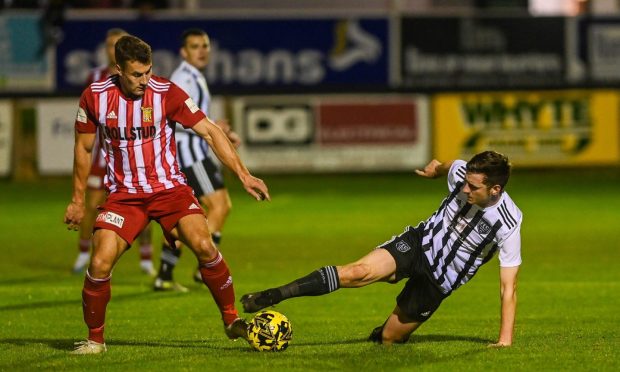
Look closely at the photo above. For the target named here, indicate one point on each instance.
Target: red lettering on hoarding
(367, 123)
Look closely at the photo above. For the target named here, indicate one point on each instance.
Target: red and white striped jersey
(137, 135)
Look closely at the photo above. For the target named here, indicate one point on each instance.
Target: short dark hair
(191, 32)
(495, 167)
(115, 32)
(131, 48)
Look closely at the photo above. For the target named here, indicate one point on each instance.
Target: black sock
(169, 259)
(319, 282)
(217, 238)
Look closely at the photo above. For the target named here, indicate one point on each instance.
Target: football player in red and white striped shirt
(136, 114)
(96, 189)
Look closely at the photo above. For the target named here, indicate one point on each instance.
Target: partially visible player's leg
(396, 329)
(107, 249)
(193, 231)
(189, 226)
(378, 265)
(117, 225)
(164, 280)
(146, 251)
(217, 205)
(207, 181)
(94, 197)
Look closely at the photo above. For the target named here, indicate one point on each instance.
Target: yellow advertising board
(572, 127)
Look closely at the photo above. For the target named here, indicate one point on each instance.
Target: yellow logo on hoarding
(532, 128)
(543, 125)
(147, 114)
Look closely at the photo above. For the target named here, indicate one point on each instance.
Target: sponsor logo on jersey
(483, 227)
(402, 247)
(81, 115)
(193, 206)
(129, 134)
(111, 218)
(111, 115)
(147, 114)
(191, 105)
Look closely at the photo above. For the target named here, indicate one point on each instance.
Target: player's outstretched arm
(508, 294)
(434, 169)
(226, 152)
(81, 166)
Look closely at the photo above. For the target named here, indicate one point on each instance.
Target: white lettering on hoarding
(352, 45)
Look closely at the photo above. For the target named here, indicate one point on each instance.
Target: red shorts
(128, 214)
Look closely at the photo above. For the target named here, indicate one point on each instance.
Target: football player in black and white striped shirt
(197, 161)
(475, 220)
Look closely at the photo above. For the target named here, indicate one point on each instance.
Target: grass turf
(568, 284)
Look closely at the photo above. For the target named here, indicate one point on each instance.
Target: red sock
(146, 251)
(95, 296)
(216, 276)
(84, 245)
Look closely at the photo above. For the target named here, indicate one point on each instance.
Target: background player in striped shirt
(135, 113)
(203, 172)
(475, 220)
(96, 190)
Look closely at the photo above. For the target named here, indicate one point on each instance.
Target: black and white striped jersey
(191, 148)
(460, 237)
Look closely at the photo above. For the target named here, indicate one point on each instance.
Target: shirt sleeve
(85, 120)
(181, 108)
(456, 173)
(186, 83)
(510, 251)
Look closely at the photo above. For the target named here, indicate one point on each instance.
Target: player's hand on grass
(74, 215)
(499, 344)
(430, 170)
(255, 187)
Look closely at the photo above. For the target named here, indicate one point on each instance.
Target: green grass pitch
(569, 284)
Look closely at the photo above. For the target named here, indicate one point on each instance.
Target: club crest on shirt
(484, 227)
(147, 114)
(402, 247)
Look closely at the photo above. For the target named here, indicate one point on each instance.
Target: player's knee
(205, 249)
(100, 267)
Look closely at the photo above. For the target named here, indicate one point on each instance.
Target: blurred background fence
(325, 86)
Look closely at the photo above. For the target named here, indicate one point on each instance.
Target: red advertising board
(367, 123)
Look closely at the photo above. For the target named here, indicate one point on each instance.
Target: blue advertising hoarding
(24, 56)
(247, 55)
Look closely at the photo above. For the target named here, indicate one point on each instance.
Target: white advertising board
(331, 133)
(55, 135)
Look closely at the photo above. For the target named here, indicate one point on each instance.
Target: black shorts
(421, 295)
(204, 177)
